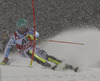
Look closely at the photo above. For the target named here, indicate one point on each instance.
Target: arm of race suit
(9, 45)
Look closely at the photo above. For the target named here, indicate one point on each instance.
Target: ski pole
(65, 42)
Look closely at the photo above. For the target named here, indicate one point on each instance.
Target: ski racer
(23, 38)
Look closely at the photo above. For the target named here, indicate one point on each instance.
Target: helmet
(22, 26)
(21, 23)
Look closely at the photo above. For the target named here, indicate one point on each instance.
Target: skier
(23, 39)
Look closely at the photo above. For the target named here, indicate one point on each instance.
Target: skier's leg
(53, 59)
(38, 59)
(42, 53)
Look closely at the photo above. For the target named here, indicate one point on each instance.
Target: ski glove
(29, 37)
(5, 61)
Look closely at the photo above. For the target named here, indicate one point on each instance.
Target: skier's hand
(5, 61)
(29, 37)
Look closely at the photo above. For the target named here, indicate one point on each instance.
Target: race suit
(25, 48)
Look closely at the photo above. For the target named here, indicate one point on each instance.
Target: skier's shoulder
(30, 29)
(13, 35)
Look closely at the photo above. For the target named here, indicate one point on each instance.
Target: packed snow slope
(86, 56)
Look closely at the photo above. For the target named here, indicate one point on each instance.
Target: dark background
(52, 16)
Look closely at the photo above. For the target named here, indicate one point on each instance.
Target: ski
(64, 66)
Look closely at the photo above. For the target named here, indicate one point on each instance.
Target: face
(22, 30)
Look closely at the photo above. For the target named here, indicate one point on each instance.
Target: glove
(29, 37)
(5, 61)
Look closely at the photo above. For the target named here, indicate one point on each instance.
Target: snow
(86, 56)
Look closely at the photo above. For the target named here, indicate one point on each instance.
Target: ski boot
(70, 67)
(66, 67)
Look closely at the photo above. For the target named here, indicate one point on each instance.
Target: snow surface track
(87, 57)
